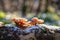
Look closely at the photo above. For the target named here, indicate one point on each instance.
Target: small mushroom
(35, 20)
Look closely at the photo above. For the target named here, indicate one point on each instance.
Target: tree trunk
(24, 9)
(2, 5)
(7, 4)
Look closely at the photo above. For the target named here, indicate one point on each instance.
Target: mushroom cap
(40, 21)
(19, 20)
(34, 19)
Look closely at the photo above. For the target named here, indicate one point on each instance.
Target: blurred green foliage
(49, 18)
(2, 17)
(2, 14)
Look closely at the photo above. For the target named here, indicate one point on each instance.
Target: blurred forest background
(48, 10)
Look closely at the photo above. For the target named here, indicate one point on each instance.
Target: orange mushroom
(35, 20)
(21, 22)
(40, 21)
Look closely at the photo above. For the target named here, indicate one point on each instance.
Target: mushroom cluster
(23, 22)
